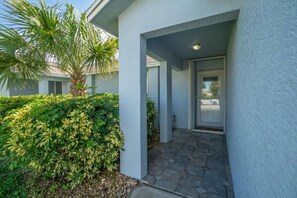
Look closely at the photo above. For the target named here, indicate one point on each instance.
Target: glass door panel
(209, 103)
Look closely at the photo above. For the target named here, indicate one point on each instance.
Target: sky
(80, 5)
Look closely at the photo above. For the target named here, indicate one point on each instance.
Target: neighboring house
(245, 55)
(54, 82)
(57, 82)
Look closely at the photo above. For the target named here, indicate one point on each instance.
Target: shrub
(13, 183)
(151, 118)
(11, 103)
(71, 138)
(65, 137)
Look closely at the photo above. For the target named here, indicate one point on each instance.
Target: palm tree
(36, 34)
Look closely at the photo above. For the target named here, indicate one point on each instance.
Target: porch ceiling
(213, 40)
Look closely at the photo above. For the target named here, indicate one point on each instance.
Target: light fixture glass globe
(196, 46)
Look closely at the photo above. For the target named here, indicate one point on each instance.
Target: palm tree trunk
(78, 83)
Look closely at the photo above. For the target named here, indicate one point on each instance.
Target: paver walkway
(192, 164)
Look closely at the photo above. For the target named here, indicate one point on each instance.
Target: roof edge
(105, 13)
(95, 8)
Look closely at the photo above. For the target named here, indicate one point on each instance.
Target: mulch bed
(107, 184)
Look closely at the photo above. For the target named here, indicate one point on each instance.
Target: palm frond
(38, 33)
(18, 60)
(101, 54)
(37, 23)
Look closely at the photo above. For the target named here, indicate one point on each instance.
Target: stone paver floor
(192, 164)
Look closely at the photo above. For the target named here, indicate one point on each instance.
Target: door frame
(192, 90)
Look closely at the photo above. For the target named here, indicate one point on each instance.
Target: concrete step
(144, 191)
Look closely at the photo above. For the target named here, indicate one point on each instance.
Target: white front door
(209, 99)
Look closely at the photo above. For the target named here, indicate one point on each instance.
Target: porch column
(165, 102)
(132, 91)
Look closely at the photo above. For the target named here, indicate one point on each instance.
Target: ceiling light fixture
(196, 46)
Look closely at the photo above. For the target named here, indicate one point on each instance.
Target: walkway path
(192, 164)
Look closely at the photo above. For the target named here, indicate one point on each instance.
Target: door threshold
(209, 131)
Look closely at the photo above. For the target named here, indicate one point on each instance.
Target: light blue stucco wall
(30, 88)
(43, 84)
(262, 100)
(180, 98)
(4, 91)
(153, 89)
(180, 91)
(110, 83)
(107, 83)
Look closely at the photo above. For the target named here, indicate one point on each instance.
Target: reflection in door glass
(210, 99)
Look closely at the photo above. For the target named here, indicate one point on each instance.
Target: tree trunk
(78, 83)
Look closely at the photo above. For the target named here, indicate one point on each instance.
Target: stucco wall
(43, 84)
(158, 14)
(110, 83)
(30, 88)
(4, 91)
(180, 95)
(153, 88)
(107, 83)
(262, 84)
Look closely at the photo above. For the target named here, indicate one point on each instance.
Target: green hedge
(73, 138)
(8, 104)
(64, 137)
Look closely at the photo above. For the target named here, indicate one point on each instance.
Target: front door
(210, 101)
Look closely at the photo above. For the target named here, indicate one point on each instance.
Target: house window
(54, 87)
